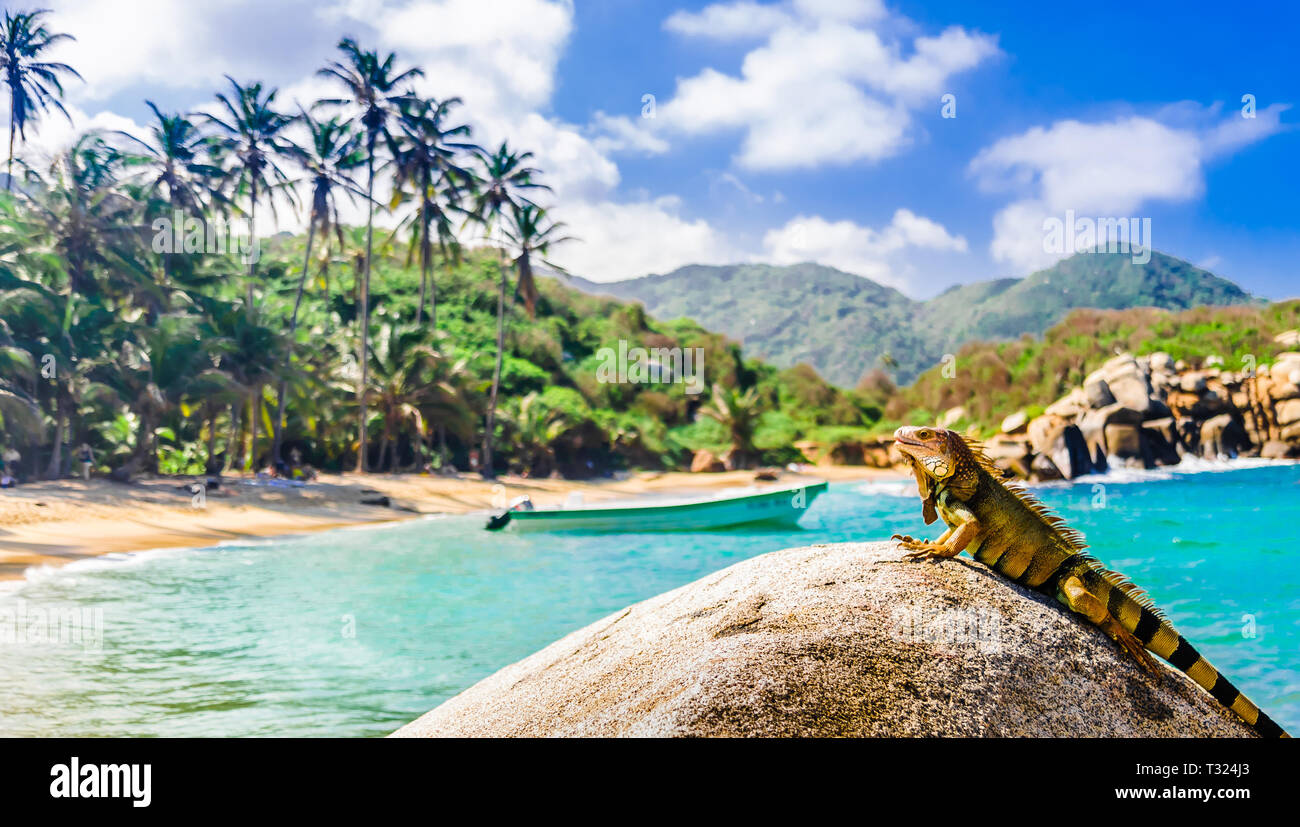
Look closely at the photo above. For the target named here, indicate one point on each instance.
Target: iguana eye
(923, 434)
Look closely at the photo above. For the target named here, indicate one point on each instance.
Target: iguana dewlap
(1008, 530)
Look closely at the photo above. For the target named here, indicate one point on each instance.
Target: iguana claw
(918, 549)
(924, 551)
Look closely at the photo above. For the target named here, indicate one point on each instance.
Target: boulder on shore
(835, 640)
(704, 462)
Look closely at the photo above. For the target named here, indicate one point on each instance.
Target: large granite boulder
(837, 640)
(1015, 423)
(1161, 361)
(1073, 404)
(1094, 425)
(1054, 438)
(1222, 436)
(1288, 411)
(1132, 391)
(705, 462)
(1096, 391)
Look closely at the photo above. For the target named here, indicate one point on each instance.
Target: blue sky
(802, 129)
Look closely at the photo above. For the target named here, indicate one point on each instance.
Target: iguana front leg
(910, 542)
(953, 541)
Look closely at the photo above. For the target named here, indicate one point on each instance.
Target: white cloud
(729, 21)
(1109, 169)
(864, 251)
(55, 133)
(824, 88)
(169, 43)
(746, 19)
(848, 11)
(620, 241)
(501, 57)
(618, 133)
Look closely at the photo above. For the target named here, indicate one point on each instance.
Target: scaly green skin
(1005, 528)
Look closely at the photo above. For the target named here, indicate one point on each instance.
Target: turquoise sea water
(355, 632)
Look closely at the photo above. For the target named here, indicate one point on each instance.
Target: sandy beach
(57, 522)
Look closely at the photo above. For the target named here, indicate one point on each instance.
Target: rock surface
(835, 640)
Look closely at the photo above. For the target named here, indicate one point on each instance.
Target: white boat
(781, 504)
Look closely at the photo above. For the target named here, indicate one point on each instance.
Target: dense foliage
(198, 376)
(135, 320)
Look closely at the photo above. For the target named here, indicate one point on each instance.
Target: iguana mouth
(908, 441)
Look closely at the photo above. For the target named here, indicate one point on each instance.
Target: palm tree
(738, 413)
(77, 212)
(370, 83)
(503, 180)
(400, 364)
(34, 85)
(532, 233)
(331, 154)
(182, 176)
(251, 140)
(249, 352)
(42, 321)
(425, 172)
(536, 427)
(20, 415)
(154, 368)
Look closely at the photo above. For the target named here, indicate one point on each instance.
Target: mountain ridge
(845, 325)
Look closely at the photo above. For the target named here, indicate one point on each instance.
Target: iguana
(1005, 528)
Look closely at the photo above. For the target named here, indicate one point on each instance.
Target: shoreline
(54, 523)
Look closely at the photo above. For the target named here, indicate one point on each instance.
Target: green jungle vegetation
(994, 379)
(132, 319)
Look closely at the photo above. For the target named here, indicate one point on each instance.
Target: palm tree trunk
(433, 298)
(60, 425)
(254, 409)
(9, 169)
(424, 273)
(488, 472)
(212, 434)
(233, 439)
(365, 307)
(252, 242)
(426, 270)
(293, 329)
(419, 305)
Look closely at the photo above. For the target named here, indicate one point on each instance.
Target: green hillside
(844, 325)
(800, 313)
(994, 379)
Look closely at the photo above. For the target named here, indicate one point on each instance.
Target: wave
(891, 488)
(1117, 474)
(1189, 465)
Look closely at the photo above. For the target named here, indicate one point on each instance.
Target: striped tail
(1131, 607)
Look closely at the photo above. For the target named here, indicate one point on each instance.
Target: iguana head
(930, 449)
(933, 458)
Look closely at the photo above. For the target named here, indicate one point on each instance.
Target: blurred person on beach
(9, 467)
(87, 458)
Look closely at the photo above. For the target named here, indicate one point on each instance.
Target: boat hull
(782, 506)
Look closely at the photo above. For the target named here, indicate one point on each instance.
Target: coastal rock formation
(1151, 410)
(835, 640)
